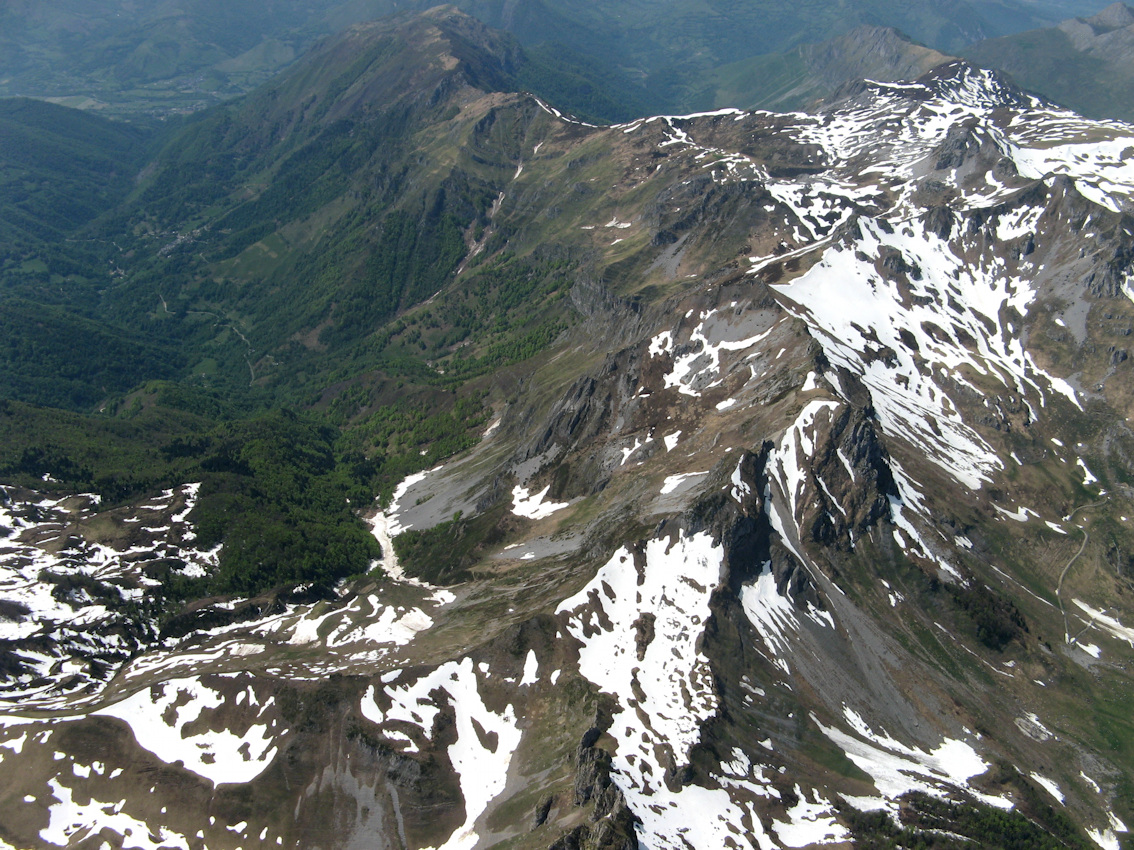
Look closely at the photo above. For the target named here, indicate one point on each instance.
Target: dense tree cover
(280, 490)
(275, 495)
(183, 324)
(61, 167)
(443, 554)
(55, 356)
(117, 51)
(117, 457)
(410, 262)
(509, 310)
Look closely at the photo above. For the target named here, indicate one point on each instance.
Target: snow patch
(1107, 622)
(638, 622)
(673, 482)
(774, 615)
(898, 769)
(486, 740)
(70, 822)
(161, 716)
(531, 669)
(810, 823)
(533, 507)
(1049, 786)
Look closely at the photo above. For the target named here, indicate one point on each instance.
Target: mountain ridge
(814, 71)
(787, 529)
(1083, 63)
(166, 57)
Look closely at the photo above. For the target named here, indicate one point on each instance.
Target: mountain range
(164, 57)
(1086, 64)
(393, 460)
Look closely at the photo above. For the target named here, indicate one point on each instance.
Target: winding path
(1071, 561)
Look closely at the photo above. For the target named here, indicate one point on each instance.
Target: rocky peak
(874, 52)
(1113, 17)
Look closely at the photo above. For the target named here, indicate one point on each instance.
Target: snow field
(673, 676)
(394, 527)
(164, 719)
(480, 763)
(870, 327)
(533, 507)
(638, 626)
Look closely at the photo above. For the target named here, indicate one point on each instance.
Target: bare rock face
(857, 496)
(611, 825)
(960, 143)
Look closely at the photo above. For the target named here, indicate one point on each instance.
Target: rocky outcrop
(611, 823)
(960, 144)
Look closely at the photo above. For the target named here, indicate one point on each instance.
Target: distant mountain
(1086, 64)
(782, 82)
(156, 55)
(164, 56)
(355, 182)
(663, 38)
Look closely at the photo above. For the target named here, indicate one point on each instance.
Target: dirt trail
(1071, 561)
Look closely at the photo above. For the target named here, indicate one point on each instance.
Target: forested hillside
(257, 258)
